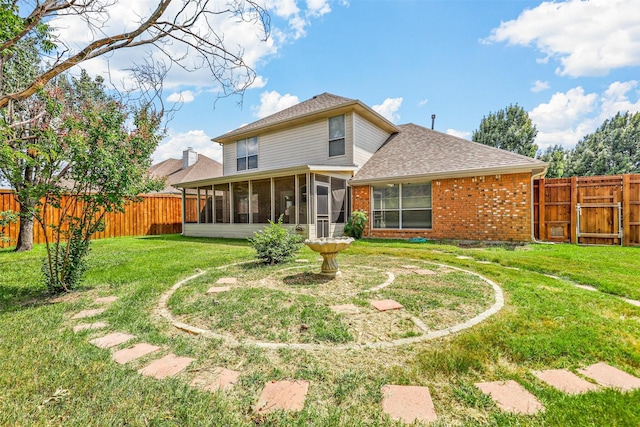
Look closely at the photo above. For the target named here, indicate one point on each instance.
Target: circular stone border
(162, 310)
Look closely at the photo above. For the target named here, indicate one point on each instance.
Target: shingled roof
(316, 106)
(417, 152)
(204, 168)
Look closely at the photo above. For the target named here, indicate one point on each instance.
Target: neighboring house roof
(204, 168)
(418, 152)
(319, 106)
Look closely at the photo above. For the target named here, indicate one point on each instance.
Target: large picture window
(247, 153)
(402, 206)
(336, 136)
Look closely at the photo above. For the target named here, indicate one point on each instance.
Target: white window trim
(344, 138)
(400, 209)
(246, 157)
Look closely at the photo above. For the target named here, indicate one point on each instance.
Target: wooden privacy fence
(588, 210)
(155, 214)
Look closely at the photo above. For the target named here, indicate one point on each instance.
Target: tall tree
(510, 129)
(556, 157)
(614, 148)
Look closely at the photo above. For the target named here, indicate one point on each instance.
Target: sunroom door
(322, 210)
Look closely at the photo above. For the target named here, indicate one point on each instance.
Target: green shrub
(355, 224)
(275, 244)
(6, 218)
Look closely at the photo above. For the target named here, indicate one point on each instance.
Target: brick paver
(609, 376)
(168, 366)
(86, 326)
(218, 289)
(285, 395)
(132, 353)
(112, 340)
(408, 403)
(386, 304)
(565, 381)
(227, 281)
(511, 397)
(223, 379)
(345, 309)
(89, 313)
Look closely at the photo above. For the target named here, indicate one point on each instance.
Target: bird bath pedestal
(329, 247)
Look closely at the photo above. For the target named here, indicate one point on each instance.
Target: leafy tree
(556, 156)
(6, 218)
(614, 148)
(510, 129)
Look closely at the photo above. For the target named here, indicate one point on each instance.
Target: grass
(52, 376)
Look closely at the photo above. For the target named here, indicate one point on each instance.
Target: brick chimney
(189, 157)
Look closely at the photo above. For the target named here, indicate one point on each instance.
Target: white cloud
(317, 8)
(459, 133)
(539, 86)
(589, 38)
(571, 115)
(272, 102)
(423, 102)
(389, 109)
(175, 143)
(185, 97)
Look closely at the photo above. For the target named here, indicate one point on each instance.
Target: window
(336, 136)
(247, 153)
(240, 202)
(223, 203)
(285, 189)
(338, 200)
(402, 206)
(261, 201)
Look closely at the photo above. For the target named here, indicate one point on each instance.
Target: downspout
(184, 210)
(533, 232)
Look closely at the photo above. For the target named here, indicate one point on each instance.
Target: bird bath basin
(329, 247)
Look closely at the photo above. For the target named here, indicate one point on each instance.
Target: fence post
(626, 209)
(542, 229)
(574, 202)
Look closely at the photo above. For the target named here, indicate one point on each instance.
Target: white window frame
(247, 155)
(400, 209)
(338, 138)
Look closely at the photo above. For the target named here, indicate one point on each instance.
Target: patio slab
(285, 395)
(565, 381)
(227, 281)
(386, 304)
(106, 300)
(218, 289)
(112, 340)
(89, 313)
(132, 353)
(223, 379)
(345, 309)
(511, 397)
(88, 326)
(608, 376)
(408, 403)
(168, 366)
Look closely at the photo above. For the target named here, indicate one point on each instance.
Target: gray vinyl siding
(368, 139)
(306, 144)
(243, 231)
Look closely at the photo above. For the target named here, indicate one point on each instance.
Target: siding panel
(368, 139)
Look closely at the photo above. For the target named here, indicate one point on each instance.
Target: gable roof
(324, 105)
(417, 152)
(204, 168)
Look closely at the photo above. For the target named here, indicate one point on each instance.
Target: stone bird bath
(329, 247)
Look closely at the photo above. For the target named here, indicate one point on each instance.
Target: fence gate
(599, 215)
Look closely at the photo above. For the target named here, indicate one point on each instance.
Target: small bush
(275, 244)
(6, 218)
(355, 224)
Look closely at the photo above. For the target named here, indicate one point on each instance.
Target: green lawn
(51, 376)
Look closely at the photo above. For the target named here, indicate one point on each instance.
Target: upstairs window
(247, 153)
(336, 136)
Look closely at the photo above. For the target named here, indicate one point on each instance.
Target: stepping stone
(484, 262)
(89, 313)
(408, 403)
(105, 300)
(632, 301)
(410, 267)
(218, 289)
(587, 288)
(112, 340)
(168, 366)
(224, 379)
(227, 281)
(345, 309)
(133, 353)
(302, 260)
(565, 381)
(386, 304)
(463, 257)
(511, 397)
(424, 272)
(285, 395)
(86, 326)
(608, 376)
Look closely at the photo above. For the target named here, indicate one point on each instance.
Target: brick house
(317, 161)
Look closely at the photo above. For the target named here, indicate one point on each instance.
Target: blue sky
(570, 64)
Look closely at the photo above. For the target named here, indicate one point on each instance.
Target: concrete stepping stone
(168, 366)
(345, 309)
(89, 313)
(132, 353)
(425, 272)
(386, 304)
(632, 301)
(89, 326)
(464, 257)
(218, 289)
(586, 287)
(227, 281)
(302, 261)
(408, 403)
(106, 300)
(608, 376)
(223, 379)
(511, 397)
(565, 381)
(112, 340)
(285, 395)
(410, 267)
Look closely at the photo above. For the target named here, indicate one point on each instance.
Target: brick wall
(485, 208)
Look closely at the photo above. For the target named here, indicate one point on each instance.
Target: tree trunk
(25, 234)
